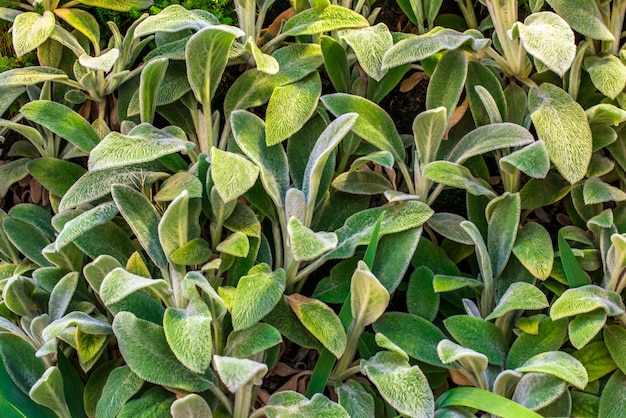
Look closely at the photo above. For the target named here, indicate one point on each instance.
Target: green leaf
(584, 327)
(550, 337)
(597, 191)
(255, 339)
(97, 184)
(574, 273)
(607, 73)
(373, 124)
(321, 321)
(104, 62)
(503, 221)
(532, 160)
(30, 30)
(175, 226)
(357, 402)
(584, 17)
(429, 128)
(336, 63)
(315, 20)
(363, 182)
(486, 97)
(447, 82)
(78, 319)
(28, 239)
(290, 404)
(265, 63)
(119, 283)
(151, 78)
(615, 340)
(486, 401)
(196, 251)
(533, 248)
(232, 174)
(256, 295)
(468, 359)
(586, 299)
(81, 20)
(142, 218)
(236, 372)
(89, 348)
(416, 336)
(299, 100)
(478, 335)
(489, 138)
(547, 37)
(188, 333)
(421, 299)
(155, 402)
(368, 297)
(358, 228)
(143, 143)
(612, 399)
(319, 156)
(206, 55)
(236, 244)
(121, 385)
(63, 121)
(449, 226)
(404, 387)
(456, 175)
(17, 404)
(559, 364)
(20, 361)
(54, 174)
(308, 245)
(244, 220)
(597, 360)
(88, 220)
(191, 406)
(145, 349)
(519, 296)
(11, 173)
(119, 5)
(249, 133)
(61, 295)
(538, 390)
(562, 124)
(418, 47)
(174, 18)
(285, 320)
(370, 44)
(30, 76)
(48, 391)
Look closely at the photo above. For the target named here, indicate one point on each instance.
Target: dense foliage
(219, 193)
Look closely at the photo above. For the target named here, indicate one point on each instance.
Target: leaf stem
(243, 399)
(222, 398)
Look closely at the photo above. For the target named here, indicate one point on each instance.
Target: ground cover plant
(239, 223)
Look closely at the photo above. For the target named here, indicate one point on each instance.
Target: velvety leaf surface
(74, 228)
(368, 297)
(597, 360)
(155, 402)
(615, 340)
(290, 404)
(119, 283)
(298, 100)
(256, 295)
(246, 343)
(585, 299)
(232, 174)
(317, 20)
(559, 364)
(20, 362)
(357, 402)
(145, 349)
(612, 399)
(584, 17)
(551, 335)
(30, 30)
(537, 390)
(370, 45)
(321, 321)
(479, 335)
(237, 372)
(306, 244)
(562, 125)
(416, 336)
(48, 391)
(188, 333)
(190, 406)
(533, 248)
(121, 385)
(143, 143)
(522, 296)
(403, 386)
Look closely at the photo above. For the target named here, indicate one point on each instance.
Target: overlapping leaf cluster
(197, 223)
